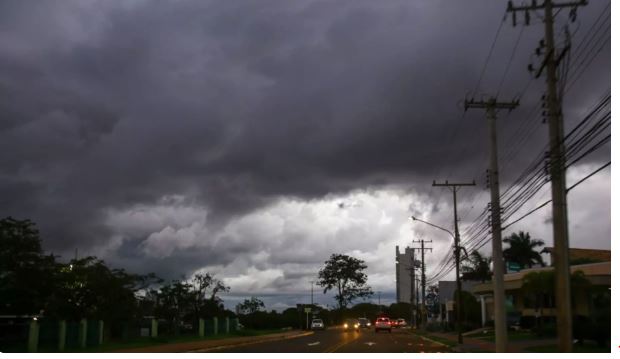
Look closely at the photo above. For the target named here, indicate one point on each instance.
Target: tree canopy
(252, 305)
(477, 267)
(346, 274)
(522, 250)
(33, 283)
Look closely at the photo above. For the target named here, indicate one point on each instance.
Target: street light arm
(433, 225)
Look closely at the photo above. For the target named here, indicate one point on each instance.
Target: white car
(317, 324)
(383, 323)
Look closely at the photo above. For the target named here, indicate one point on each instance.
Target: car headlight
(346, 325)
(367, 324)
(357, 325)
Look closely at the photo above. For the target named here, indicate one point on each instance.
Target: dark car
(351, 324)
(364, 323)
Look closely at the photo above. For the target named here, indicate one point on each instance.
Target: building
(405, 263)
(582, 255)
(585, 303)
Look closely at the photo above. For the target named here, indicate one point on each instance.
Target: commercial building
(405, 288)
(585, 302)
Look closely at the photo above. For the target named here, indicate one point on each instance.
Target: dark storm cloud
(114, 104)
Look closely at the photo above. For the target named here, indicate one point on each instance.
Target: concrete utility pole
(557, 167)
(499, 296)
(457, 254)
(423, 276)
(411, 296)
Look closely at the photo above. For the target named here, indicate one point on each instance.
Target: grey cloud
(112, 105)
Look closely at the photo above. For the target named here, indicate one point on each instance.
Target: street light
(433, 225)
(457, 249)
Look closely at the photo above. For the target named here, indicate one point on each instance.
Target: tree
(471, 310)
(203, 295)
(87, 288)
(252, 305)
(477, 267)
(346, 275)
(522, 250)
(539, 286)
(432, 299)
(26, 274)
(174, 302)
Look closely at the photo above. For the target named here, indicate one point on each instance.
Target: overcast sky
(252, 139)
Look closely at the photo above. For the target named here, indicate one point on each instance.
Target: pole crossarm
(536, 6)
(491, 103)
(446, 184)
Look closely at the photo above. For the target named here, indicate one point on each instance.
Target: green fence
(52, 335)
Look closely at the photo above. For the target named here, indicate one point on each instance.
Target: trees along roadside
(522, 250)
(477, 267)
(346, 275)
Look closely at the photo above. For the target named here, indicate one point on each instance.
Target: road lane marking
(313, 344)
(228, 346)
(333, 348)
(370, 343)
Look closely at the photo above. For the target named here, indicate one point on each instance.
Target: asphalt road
(338, 341)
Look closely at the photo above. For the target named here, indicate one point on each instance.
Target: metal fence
(53, 335)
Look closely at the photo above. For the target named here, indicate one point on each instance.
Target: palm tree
(522, 250)
(477, 267)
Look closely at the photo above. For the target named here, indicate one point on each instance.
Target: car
(351, 324)
(317, 324)
(364, 323)
(383, 323)
(401, 322)
(393, 323)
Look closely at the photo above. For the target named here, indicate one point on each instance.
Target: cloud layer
(253, 139)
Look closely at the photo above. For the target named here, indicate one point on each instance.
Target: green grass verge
(147, 342)
(514, 336)
(447, 342)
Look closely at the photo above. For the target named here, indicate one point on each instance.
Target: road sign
(514, 267)
(308, 310)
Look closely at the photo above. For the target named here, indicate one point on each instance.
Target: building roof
(600, 255)
(515, 280)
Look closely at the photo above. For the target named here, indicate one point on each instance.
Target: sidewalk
(213, 344)
(477, 345)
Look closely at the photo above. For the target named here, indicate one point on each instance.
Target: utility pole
(499, 296)
(379, 294)
(557, 165)
(457, 254)
(423, 276)
(311, 293)
(411, 296)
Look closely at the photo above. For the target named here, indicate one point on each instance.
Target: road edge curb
(433, 341)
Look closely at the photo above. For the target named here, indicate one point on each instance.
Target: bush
(527, 322)
(582, 328)
(434, 327)
(547, 329)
